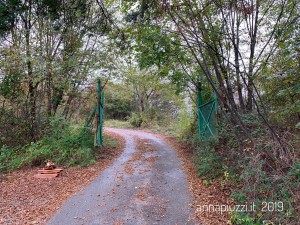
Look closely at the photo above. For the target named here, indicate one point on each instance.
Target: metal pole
(98, 131)
(199, 103)
(91, 117)
(101, 118)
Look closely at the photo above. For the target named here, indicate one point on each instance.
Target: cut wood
(50, 171)
(45, 175)
(47, 172)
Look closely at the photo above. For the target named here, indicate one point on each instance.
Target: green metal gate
(98, 113)
(206, 115)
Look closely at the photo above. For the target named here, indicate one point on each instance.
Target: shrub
(261, 188)
(135, 120)
(13, 130)
(209, 165)
(184, 123)
(7, 154)
(65, 145)
(260, 174)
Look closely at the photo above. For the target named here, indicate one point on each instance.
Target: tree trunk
(253, 39)
(49, 97)
(67, 106)
(31, 86)
(229, 88)
(56, 100)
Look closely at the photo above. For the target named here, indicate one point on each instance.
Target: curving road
(143, 186)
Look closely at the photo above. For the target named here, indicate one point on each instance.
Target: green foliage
(282, 95)
(6, 154)
(260, 187)
(243, 219)
(208, 163)
(65, 145)
(135, 120)
(257, 177)
(139, 10)
(184, 124)
(8, 13)
(12, 127)
(10, 86)
(118, 102)
(254, 124)
(294, 174)
(27, 65)
(154, 47)
(281, 82)
(239, 197)
(118, 108)
(254, 171)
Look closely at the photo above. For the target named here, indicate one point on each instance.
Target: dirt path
(145, 185)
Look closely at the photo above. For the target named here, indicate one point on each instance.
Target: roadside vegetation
(65, 144)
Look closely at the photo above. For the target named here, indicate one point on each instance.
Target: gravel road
(145, 185)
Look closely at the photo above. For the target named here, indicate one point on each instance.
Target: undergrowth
(65, 144)
(208, 163)
(262, 175)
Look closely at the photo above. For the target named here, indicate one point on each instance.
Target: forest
(153, 58)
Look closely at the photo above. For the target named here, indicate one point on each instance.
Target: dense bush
(135, 120)
(13, 130)
(116, 108)
(118, 102)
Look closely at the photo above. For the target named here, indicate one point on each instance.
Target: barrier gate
(206, 115)
(98, 114)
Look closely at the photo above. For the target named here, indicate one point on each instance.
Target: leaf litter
(28, 200)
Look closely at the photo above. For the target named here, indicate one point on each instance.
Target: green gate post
(98, 112)
(101, 119)
(99, 116)
(199, 102)
(91, 117)
(206, 115)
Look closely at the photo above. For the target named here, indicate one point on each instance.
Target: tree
(280, 80)
(48, 54)
(119, 101)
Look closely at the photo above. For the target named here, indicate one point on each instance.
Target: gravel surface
(145, 185)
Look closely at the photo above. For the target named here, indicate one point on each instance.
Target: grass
(117, 124)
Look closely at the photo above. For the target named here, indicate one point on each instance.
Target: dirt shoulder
(28, 200)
